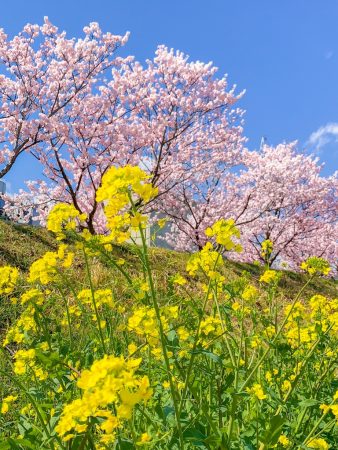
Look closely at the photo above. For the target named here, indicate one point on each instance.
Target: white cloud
(329, 54)
(324, 135)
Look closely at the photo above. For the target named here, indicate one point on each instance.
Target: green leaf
(308, 402)
(210, 355)
(195, 437)
(20, 444)
(126, 445)
(270, 437)
(193, 434)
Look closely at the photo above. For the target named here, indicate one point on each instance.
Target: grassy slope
(21, 245)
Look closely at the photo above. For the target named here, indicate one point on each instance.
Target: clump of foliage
(208, 364)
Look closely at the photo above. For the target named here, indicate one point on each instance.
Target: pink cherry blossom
(79, 109)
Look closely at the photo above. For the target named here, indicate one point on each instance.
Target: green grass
(20, 245)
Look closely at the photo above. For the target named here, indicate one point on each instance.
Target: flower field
(96, 362)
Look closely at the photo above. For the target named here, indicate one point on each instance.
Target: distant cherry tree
(291, 204)
(278, 194)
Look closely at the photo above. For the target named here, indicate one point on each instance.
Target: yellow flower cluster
(33, 296)
(141, 288)
(294, 312)
(255, 341)
(145, 438)
(23, 325)
(119, 180)
(304, 323)
(269, 276)
(122, 187)
(284, 440)
(250, 293)
(318, 443)
(296, 333)
(210, 329)
(297, 336)
(270, 375)
(257, 391)
(143, 322)
(286, 386)
(224, 231)
(206, 260)
(44, 270)
(8, 279)
(24, 360)
(178, 279)
(6, 402)
(333, 407)
(267, 248)
(101, 297)
(63, 217)
(110, 384)
(315, 265)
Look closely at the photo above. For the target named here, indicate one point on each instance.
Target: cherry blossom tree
(79, 109)
(42, 75)
(277, 194)
(195, 205)
(290, 203)
(173, 117)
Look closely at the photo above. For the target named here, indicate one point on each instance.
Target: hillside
(20, 245)
(76, 334)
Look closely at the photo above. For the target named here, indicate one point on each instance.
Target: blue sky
(284, 53)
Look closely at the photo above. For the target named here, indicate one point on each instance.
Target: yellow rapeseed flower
(45, 269)
(284, 440)
(224, 231)
(250, 293)
(101, 297)
(109, 380)
(63, 217)
(267, 247)
(6, 402)
(145, 438)
(257, 391)
(325, 408)
(269, 276)
(315, 265)
(318, 443)
(178, 279)
(207, 260)
(8, 279)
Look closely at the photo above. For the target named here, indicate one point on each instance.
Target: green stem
(68, 317)
(85, 438)
(114, 263)
(259, 362)
(193, 351)
(316, 425)
(328, 425)
(94, 302)
(160, 326)
(233, 362)
(234, 399)
(35, 406)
